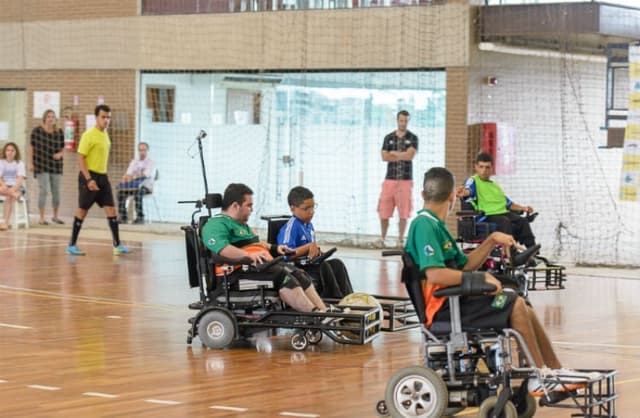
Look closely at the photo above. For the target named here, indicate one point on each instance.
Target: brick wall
(118, 90)
(30, 10)
(456, 134)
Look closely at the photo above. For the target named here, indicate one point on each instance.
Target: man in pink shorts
(398, 149)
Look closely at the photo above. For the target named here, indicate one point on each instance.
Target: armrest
(469, 213)
(218, 259)
(484, 289)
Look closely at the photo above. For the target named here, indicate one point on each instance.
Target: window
(161, 100)
(243, 107)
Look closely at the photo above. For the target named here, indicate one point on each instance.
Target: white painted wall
(557, 108)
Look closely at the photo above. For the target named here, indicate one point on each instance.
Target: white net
(291, 97)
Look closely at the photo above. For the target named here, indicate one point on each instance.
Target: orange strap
(228, 269)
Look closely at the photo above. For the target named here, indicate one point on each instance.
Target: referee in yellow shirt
(93, 182)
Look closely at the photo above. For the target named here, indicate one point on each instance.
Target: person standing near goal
(93, 182)
(398, 150)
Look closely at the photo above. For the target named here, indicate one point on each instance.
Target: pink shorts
(396, 193)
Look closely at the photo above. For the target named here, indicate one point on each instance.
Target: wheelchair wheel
(299, 341)
(416, 392)
(526, 408)
(314, 336)
(216, 329)
(486, 408)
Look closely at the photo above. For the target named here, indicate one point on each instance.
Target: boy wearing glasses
(331, 277)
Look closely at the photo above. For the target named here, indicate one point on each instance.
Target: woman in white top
(11, 177)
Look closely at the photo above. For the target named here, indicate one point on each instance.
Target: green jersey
(430, 243)
(222, 230)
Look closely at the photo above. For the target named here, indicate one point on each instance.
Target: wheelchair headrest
(213, 200)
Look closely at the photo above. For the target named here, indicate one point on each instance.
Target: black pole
(199, 138)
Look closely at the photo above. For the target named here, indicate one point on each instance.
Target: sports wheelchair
(473, 229)
(475, 367)
(398, 311)
(229, 309)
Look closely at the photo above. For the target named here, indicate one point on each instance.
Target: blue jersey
(296, 233)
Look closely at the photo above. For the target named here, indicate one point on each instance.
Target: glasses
(308, 208)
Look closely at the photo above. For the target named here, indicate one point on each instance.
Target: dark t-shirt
(44, 146)
(400, 170)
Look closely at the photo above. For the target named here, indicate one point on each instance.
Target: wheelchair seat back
(191, 243)
(274, 224)
(473, 228)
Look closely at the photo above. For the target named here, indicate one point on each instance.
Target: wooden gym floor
(104, 336)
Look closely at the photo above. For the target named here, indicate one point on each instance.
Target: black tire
(314, 336)
(527, 408)
(216, 329)
(381, 409)
(299, 341)
(416, 392)
(486, 408)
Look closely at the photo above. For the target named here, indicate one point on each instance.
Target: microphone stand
(199, 138)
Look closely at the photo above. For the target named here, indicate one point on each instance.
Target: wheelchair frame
(450, 379)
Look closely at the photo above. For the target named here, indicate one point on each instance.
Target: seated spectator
(137, 181)
(12, 175)
(487, 196)
(298, 233)
(228, 235)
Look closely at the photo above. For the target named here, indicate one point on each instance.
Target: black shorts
(476, 312)
(86, 197)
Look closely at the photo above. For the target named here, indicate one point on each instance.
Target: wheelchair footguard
(398, 313)
(551, 276)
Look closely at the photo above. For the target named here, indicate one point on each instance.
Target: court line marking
(14, 326)
(76, 298)
(3, 381)
(26, 247)
(162, 402)
(229, 408)
(604, 345)
(298, 414)
(42, 387)
(100, 395)
(113, 317)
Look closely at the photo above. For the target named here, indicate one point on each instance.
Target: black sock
(113, 224)
(75, 231)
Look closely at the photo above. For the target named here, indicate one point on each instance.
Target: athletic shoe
(559, 380)
(73, 250)
(121, 249)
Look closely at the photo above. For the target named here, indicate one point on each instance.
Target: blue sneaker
(73, 250)
(121, 249)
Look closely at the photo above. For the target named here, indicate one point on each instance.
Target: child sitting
(331, 276)
(12, 175)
